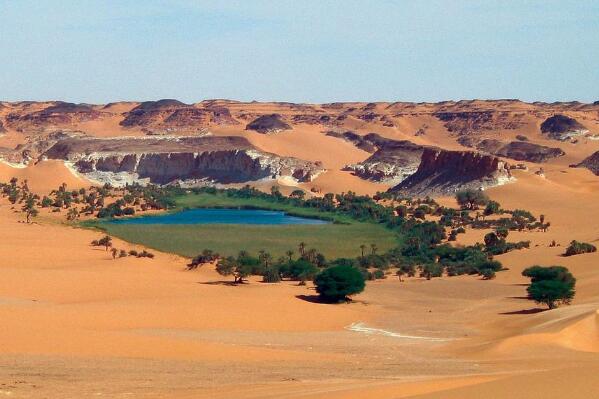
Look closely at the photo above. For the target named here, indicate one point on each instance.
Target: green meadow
(341, 238)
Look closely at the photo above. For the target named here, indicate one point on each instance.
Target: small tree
(337, 283)
(29, 208)
(551, 292)
(230, 266)
(553, 285)
(106, 242)
(471, 199)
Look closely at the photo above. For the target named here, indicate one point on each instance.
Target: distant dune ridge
(310, 142)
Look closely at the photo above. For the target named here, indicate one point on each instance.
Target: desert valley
(83, 320)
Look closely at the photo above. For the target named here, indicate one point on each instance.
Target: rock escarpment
(517, 150)
(165, 116)
(444, 172)
(57, 114)
(177, 159)
(562, 127)
(591, 163)
(391, 161)
(474, 121)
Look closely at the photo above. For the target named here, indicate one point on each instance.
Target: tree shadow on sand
(525, 311)
(312, 299)
(222, 282)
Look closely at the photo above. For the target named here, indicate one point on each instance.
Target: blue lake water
(221, 216)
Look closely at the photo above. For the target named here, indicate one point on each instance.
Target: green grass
(333, 240)
(342, 238)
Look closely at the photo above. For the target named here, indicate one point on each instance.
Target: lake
(221, 216)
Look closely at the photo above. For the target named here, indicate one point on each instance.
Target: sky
(299, 51)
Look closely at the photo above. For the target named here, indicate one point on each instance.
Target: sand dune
(44, 176)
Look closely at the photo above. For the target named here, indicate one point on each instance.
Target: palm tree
(289, 253)
(302, 248)
(265, 258)
(362, 249)
(311, 255)
(373, 247)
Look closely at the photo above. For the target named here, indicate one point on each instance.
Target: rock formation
(166, 116)
(392, 160)
(268, 124)
(172, 159)
(517, 150)
(591, 163)
(562, 127)
(59, 113)
(444, 172)
(475, 121)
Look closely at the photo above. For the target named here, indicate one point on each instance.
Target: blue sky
(300, 51)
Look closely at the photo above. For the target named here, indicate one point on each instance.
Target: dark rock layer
(558, 126)
(591, 163)
(268, 124)
(517, 150)
(444, 172)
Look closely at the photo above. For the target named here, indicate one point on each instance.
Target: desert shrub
(378, 274)
(577, 248)
(431, 270)
(271, 275)
(471, 199)
(492, 208)
(488, 274)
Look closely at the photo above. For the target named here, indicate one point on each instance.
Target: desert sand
(77, 323)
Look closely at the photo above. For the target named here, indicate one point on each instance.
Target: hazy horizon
(314, 52)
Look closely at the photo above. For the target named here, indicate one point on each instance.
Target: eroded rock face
(517, 150)
(475, 121)
(268, 124)
(591, 163)
(172, 115)
(444, 172)
(60, 113)
(562, 127)
(168, 160)
(391, 161)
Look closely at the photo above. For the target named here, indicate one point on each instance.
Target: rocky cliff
(167, 160)
(164, 116)
(517, 150)
(391, 161)
(591, 163)
(56, 114)
(444, 172)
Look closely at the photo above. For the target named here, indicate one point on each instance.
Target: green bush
(553, 285)
(337, 283)
(551, 292)
(471, 199)
(577, 248)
